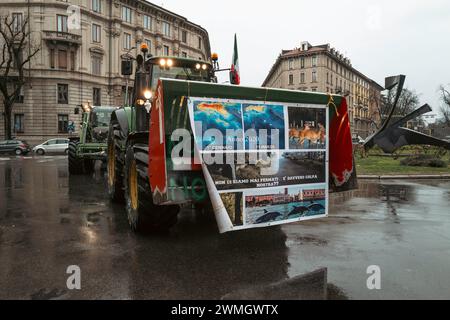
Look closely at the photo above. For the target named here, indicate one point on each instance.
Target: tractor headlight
(148, 94)
(198, 66)
(162, 62)
(169, 63)
(204, 67)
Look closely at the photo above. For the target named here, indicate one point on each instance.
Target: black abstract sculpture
(392, 136)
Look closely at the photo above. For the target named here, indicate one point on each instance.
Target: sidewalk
(405, 176)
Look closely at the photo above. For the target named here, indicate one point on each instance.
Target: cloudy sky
(380, 37)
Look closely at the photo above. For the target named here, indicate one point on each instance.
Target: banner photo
(264, 163)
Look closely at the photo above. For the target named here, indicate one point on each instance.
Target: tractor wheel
(115, 163)
(75, 163)
(142, 214)
(204, 212)
(89, 166)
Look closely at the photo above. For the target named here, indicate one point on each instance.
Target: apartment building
(324, 69)
(82, 44)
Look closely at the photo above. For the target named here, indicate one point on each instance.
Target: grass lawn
(376, 165)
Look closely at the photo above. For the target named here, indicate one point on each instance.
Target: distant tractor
(91, 145)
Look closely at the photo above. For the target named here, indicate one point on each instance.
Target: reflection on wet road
(49, 221)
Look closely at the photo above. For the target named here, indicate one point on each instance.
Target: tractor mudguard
(123, 117)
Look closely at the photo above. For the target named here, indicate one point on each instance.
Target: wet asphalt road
(49, 221)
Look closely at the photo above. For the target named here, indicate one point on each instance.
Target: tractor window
(182, 73)
(100, 119)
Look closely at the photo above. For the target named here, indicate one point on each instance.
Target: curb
(405, 177)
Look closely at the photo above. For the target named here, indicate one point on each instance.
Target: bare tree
(408, 102)
(16, 52)
(445, 109)
(377, 103)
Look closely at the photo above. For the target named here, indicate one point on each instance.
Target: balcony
(62, 37)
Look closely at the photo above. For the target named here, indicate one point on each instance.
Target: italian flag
(235, 77)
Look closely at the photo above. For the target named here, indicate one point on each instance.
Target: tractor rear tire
(115, 163)
(75, 163)
(143, 214)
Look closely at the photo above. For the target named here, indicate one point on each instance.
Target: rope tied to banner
(332, 104)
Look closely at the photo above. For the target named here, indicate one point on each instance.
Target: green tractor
(91, 145)
(142, 137)
(128, 139)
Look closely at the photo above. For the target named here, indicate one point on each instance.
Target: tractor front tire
(143, 214)
(75, 163)
(115, 162)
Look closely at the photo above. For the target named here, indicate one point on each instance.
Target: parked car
(17, 147)
(52, 146)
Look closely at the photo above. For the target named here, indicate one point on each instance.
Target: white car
(52, 146)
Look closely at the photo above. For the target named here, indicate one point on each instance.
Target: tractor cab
(99, 123)
(154, 68)
(150, 69)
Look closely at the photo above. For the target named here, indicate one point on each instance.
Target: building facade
(82, 44)
(324, 69)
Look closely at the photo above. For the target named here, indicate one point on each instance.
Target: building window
(19, 123)
(96, 65)
(63, 123)
(166, 50)
(199, 42)
(314, 76)
(184, 54)
(302, 63)
(184, 36)
(126, 14)
(166, 29)
(17, 18)
(96, 96)
(314, 61)
(147, 22)
(291, 79)
(291, 64)
(20, 96)
(62, 59)
(72, 60)
(314, 89)
(127, 41)
(52, 58)
(61, 23)
(96, 5)
(302, 77)
(328, 78)
(96, 33)
(149, 45)
(63, 93)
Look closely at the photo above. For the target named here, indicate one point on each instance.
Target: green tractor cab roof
(177, 61)
(104, 108)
